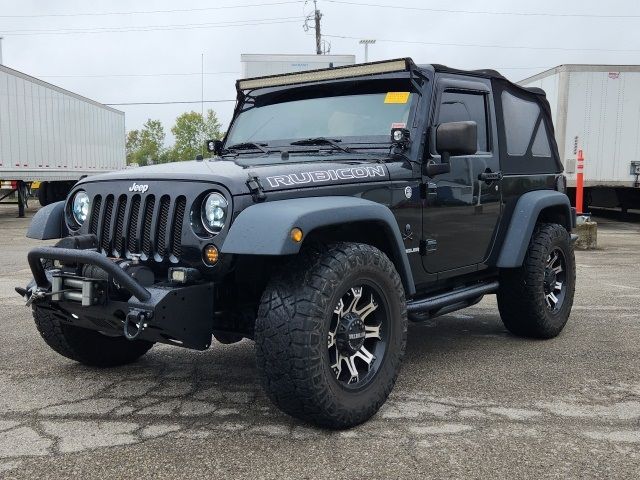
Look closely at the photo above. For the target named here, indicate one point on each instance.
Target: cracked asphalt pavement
(471, 401)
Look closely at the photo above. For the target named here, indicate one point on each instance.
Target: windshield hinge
(255, 187)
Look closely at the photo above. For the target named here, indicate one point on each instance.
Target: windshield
(363, 115)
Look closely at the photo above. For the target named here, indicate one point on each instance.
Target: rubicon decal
(319, 176)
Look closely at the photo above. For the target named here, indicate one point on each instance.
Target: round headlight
(214, 212)
(80, 207)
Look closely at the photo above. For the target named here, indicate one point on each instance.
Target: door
(463, 206)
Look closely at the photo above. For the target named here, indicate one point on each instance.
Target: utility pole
(202, 100)
(366, 43)
(317, 17)
(0, 50)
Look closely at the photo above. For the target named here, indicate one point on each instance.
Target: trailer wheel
(86, 346)
(43, 194)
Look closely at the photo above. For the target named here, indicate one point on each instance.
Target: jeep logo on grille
(138, 187)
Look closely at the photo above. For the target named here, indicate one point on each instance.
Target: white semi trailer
(259, 65)
(53, 136)
(596, 109)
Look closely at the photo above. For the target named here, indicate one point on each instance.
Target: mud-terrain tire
(302, 324)
(524, 297)
(86, 346)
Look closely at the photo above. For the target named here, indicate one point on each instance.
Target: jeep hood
(234, 175)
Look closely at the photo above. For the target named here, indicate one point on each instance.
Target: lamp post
(366, 43)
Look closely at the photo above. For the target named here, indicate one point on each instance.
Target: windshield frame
(379, 84)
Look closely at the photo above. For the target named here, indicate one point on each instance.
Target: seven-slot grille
(144, 225)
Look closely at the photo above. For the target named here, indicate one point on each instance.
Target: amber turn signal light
(210, 254)
(296, 235)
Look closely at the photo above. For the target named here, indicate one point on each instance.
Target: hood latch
(255, 187)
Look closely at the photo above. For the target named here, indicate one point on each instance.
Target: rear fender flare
(523, 222)
(264, 228)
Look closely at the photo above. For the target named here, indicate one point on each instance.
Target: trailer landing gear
(21, 188)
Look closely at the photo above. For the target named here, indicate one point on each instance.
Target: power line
(166, 103)
(149, 28)
(141, 12)
(480, 12)
(127, 75)
(513, 47)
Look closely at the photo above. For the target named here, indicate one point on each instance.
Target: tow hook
(135, 323)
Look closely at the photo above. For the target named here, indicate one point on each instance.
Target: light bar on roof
(325, 74)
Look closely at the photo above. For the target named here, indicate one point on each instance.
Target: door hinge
(427, 246)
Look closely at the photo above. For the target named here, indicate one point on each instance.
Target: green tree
(146, 145)
(191, 131)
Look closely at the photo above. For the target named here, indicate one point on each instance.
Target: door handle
(490, 176)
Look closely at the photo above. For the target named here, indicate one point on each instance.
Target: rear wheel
(331, 333)
(535, 300)
(86, 346)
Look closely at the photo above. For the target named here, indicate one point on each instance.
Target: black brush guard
(177, 315)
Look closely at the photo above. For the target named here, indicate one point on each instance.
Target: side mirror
(456, 138)
(214, 146)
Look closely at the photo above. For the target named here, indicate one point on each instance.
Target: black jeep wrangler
(341, 204)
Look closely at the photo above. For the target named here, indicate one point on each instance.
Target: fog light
(296, 235)
(183, 275)
(210, 254)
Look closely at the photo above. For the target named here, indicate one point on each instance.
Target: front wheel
(535, 300)
(88, 347)
(331, 333)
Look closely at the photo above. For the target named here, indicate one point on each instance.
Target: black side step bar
(429, 307)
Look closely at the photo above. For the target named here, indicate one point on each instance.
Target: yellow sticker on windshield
(396, 97)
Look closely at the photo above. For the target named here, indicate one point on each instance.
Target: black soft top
(527, 162)
(485, 73)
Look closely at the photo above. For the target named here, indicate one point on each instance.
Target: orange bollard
(580, 183)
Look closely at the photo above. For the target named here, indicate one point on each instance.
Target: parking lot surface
(472, 401)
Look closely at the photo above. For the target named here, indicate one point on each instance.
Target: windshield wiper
(248, 146)
(322, 141)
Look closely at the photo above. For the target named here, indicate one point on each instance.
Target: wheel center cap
(350, 334)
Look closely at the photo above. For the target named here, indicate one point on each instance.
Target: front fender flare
(264, 228)
(523, 222)
(48, 223)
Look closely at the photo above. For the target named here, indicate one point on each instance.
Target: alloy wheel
(357, 338)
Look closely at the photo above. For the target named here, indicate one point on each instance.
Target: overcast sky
(164, 65)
